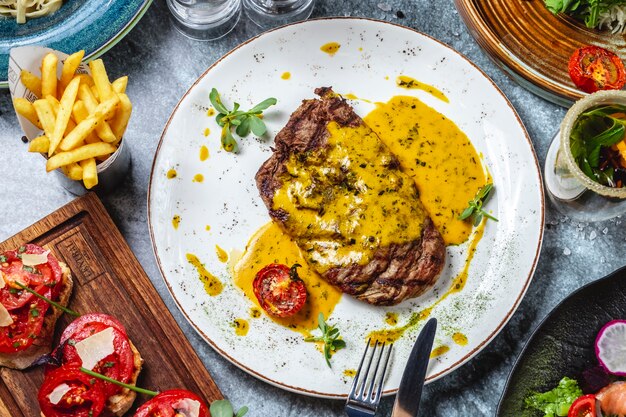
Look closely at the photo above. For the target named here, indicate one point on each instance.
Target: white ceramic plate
(372, 54)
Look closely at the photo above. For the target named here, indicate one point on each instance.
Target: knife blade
(407, 402)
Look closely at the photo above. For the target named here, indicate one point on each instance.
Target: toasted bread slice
(43, 344)
(119, 404)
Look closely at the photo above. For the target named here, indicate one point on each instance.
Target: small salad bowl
(571, 190)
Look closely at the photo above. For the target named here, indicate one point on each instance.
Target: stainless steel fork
(362, 401)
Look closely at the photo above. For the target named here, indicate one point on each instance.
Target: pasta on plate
(21, 9)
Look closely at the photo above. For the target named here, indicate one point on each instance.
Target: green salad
(609, 14)
(557, 401)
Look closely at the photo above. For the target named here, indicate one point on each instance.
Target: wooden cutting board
(108, 279)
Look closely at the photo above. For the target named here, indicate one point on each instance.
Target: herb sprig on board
(330, 337)
(242, 121)
(475, 206)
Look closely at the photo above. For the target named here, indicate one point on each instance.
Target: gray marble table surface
(162, 64)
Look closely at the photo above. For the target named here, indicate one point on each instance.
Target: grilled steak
(337, 190)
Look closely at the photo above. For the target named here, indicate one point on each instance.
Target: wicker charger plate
(532, 45)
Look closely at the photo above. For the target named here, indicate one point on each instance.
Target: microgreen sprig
(475, 206)
(243, 121)
(330, 338)
(47, 300)
(223, 408)
(118, 383)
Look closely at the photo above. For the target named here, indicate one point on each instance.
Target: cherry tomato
(592, 68)
(26, 327)
(120, 365)
(279, 290)
(35, 277)
(86, 397)
(167, 404)
(584, 406)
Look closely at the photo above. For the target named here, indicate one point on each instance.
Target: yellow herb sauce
(176, 221)
(330, 48)
(198, 178)
(210, 112)
(458, 283)
(255, 312)
(171, 174)
(437, 155)
(439, 351)
(204, 153)
(391, 318)
(286, 75)
(271, 245)
(460, 339)
(348, 200)
(349, 373)
(207, 132)
(222, 255)
(212, 285)
(241, 327)
(412, 84)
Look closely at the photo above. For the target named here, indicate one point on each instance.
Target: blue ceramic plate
(92, 25)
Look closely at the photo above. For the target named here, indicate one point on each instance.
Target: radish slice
(611, 347)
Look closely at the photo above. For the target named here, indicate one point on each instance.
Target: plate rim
(110, 43)
(313, 393)
(544, 320)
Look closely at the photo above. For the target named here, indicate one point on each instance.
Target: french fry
(91, 150)
(90, 173)
(94, 92)
(85, 79)
(32, 82)
(73, 171)
(39, 144)
(26, 109)
(101, 79)
(80, 113)
(69, 68)
(103, 129)
(63, 114)
(45, 114)
(49, 75)
(120, 121)
(82, 130)
(54, 103)
(119, 85)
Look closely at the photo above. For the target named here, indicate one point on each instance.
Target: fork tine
(367, 371)
(370, 390)
(382, 377)
(358, 372)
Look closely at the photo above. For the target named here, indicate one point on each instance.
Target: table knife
(410, 392)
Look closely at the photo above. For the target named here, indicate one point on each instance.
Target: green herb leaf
(244, 127)
(242, 121)
(330, 337)
(263, 105)
(216, 101)
(242, 411)
(3, 258)
(475, 206)
(34, 312)
(221, 408)
(557, 401)
(257, 126)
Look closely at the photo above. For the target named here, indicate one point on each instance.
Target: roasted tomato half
(173, 403)
(280, 290)
(584, 406)
(119, 365)
(67, 391)
(36, 277)
(593, 68)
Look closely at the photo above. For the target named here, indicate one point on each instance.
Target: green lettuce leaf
(557, 401)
